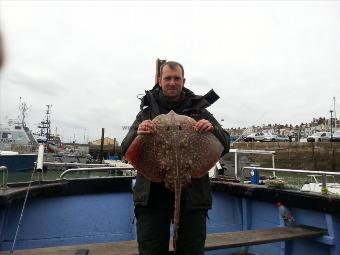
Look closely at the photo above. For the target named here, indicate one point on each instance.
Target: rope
(22, 213)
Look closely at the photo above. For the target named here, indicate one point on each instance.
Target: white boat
(18, 147)
(17, 138)
(315, 184)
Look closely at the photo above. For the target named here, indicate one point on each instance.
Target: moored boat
(17, 148)
(17, 162)
(315, 184)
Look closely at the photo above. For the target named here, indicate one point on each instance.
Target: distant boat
(18, 147)
(55, 150)
(17, 162)
(44, 134)
(17, 138)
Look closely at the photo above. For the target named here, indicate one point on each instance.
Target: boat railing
(257, 152)
(323, 174)
(314, 177)
(73, 164)
(95, 169)
(4, 171)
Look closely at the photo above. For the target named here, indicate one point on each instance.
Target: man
(154, 204)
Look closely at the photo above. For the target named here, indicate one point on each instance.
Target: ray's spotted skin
(174, 153)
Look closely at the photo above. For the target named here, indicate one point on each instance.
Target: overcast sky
(269, 61)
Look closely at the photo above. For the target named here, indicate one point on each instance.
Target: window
(6, 135)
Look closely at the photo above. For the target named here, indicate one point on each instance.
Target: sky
(269, 61)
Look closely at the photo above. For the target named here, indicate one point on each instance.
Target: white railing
(260, 152)
(97, 169)
(322, 173)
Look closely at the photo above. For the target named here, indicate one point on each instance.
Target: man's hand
(203, 126)
(147, 127)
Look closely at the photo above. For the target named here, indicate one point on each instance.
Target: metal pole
(273, 162)
(335, 124)
(102, 146)
(331, 124)
(114, 146)
(236, 165)
(324, 181)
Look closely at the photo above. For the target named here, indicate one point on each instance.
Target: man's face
(172, 82)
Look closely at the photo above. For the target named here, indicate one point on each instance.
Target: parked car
(268, 137)
(319, 136)
(336, 136)
(282, 138)
(259, 136)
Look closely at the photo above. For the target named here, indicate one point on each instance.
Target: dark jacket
(198, 193)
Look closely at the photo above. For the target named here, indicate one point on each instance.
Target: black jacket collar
(193, 102)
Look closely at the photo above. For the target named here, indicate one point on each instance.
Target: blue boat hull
(99, 211)
(20, 162)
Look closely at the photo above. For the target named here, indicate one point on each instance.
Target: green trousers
(153, 227)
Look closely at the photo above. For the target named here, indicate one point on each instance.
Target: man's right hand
(147, 127)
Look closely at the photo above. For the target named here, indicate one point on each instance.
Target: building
(111, 148)
(107, 141)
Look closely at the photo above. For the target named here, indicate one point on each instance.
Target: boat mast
(45, 125)
(23, 109)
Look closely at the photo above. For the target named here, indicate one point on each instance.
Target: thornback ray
(175, 153)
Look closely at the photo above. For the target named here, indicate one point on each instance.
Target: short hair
(172, 65)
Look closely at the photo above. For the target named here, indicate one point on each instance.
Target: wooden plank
(114, 248)
(261, 236)
(82, 252)
(213, 242)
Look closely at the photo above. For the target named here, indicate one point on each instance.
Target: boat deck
(214, 242)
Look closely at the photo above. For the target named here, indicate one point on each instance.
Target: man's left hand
(203, 126)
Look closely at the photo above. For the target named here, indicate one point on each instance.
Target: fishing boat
(55, 150)
(17, 144)
(95, 216)
(15, 161)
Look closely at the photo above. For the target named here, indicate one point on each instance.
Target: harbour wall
(320, 156)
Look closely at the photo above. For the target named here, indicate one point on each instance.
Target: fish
(174, 154)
